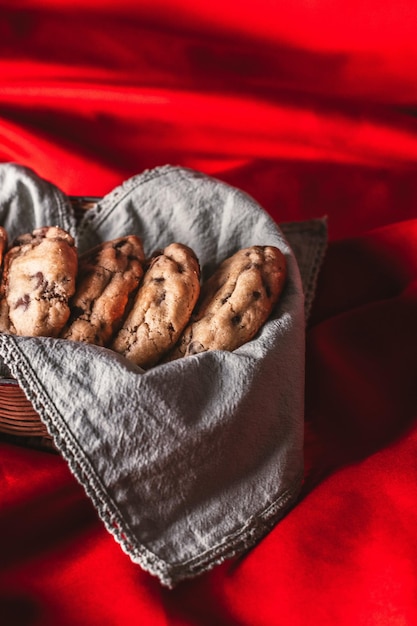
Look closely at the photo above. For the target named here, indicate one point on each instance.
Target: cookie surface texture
(109, 275)
(235, 301)
(4, 309)
(39, 277)
(162, 308)
(3, 246)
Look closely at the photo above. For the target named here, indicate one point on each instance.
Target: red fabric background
(311, 110)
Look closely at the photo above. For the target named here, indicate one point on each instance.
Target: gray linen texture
(191, 462)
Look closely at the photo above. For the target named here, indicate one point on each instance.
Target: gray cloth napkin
(191, 462)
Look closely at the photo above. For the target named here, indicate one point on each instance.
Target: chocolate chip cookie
(162, 307)
(3, 246)
(4, 309)
(39, 278)
(235, 301)
(109, 275)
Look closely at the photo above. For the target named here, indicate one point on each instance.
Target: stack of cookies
(151, 310)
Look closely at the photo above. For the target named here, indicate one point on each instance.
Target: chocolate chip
(171, 329)
(195, 347)
(225, 299)
(160, 298)
(40, 280)
(119, 244)
(23, 302)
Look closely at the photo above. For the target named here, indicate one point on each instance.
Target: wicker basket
(19, 422)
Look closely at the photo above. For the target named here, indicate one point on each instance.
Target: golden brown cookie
(39, 278)
(3, 245)
(235, 302)
(108, 277)
(162, 307)
(4, 309)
